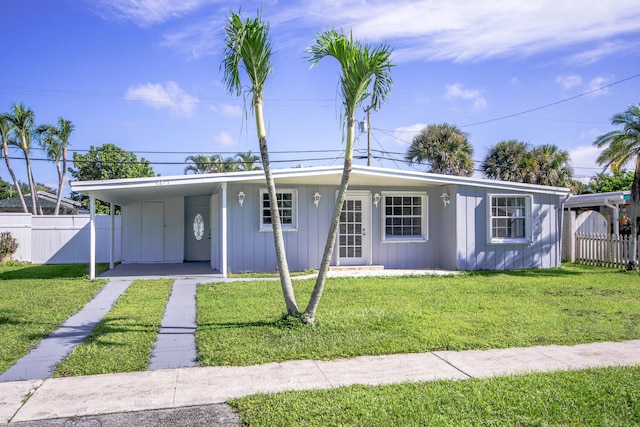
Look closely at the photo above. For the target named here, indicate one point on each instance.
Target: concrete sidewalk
(60, 398)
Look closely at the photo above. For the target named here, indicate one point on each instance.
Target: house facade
(391, 218)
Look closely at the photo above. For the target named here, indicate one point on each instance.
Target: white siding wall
(474, 253)
(59, 239)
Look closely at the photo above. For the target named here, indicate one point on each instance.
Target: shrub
(8, 244)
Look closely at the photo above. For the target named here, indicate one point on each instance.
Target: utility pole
(368, 111)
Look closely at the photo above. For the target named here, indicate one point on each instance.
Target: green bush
(8, 244)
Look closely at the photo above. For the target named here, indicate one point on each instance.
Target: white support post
(223, 231)
(112, 209)
(92, 237)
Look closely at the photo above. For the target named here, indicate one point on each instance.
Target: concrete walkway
(40, 362)
(59, 398)
(175, 345)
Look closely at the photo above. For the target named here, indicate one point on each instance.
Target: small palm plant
(8, 245)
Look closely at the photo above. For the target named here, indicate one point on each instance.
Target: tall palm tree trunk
(60, 183)
(5, 149)
(316, 295)
(32, 185)
(283, 266)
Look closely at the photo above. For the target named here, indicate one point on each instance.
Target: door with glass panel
(354, 242)
(197, 227)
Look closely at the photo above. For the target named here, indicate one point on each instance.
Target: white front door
(197, 227)
(354, 237)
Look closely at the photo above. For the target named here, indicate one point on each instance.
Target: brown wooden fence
(607, 250)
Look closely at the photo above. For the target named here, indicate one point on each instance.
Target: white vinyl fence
(60, 239)
(607, 250)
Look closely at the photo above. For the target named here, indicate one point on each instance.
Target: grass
(31, 309)
(602, 397)
(240, 323)
(254, 275)
(124, 338)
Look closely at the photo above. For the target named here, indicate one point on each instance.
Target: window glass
(509, 218)
(405, 217)
(286, 208)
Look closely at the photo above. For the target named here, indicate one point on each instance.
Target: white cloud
(569, 81)
(596, 83)
(167, 95)
(583, 160)
(458, 91)
(228, 110)
(223, 138)
(405, 134)
(145, 12)
(462, 30)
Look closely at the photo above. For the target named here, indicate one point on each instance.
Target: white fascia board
(598, 199)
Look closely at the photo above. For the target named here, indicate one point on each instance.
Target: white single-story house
(391, 218)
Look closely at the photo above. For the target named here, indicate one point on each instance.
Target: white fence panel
(60, 239)
(607, 250)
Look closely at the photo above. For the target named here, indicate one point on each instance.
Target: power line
(553, 103)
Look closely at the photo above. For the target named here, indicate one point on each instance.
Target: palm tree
(248, 48)
(366, 73)
(552, 166)
(247, 161)
(509, 161)
(201, 164)
(55, 141)
(620, 147)
(22, 119)
(5, 133)
(446, 147)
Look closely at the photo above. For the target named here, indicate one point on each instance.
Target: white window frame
(424, 236)
(528, 220)
(294, 210)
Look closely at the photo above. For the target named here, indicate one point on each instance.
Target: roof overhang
(597, 199)
(124, 191)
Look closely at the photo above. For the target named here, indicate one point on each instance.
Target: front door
(353, 234)
(197, 227)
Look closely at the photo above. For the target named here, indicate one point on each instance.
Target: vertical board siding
(62, 239)
(474, 251)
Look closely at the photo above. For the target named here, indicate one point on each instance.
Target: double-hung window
(404, 216)
(287, 206)
(509, 219)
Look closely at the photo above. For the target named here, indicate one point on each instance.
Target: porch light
(445, 199)
(241, 197)
(376, 199)
(316, 198)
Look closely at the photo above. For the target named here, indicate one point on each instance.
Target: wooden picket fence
(606, 250)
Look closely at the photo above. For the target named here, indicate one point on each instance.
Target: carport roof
(123, 191)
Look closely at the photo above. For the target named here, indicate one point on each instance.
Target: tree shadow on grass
(51, 271)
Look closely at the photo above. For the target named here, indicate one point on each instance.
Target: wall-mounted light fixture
(316, 198)
(376, 199)
(446, 199)
(241, 197)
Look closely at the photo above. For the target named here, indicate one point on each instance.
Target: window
(287, 204)
(405, 217)
(509, 219)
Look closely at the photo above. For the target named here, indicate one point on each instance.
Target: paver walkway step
(40, 362)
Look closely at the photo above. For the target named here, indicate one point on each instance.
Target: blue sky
(145, 75)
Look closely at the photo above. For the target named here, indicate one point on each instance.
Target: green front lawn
(124, 338)
(241, 323)
(35, 300)
(593, 397)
